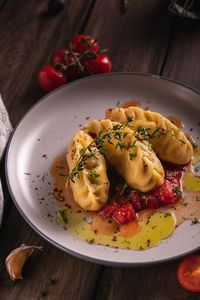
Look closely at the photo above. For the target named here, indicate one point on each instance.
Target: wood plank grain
(150, 283)
(30, 38)
(183, 59)
(137, 40)
(50, 273)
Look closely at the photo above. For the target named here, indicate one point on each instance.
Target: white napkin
(5, 130)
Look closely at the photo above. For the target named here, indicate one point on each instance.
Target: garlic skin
(16, 260)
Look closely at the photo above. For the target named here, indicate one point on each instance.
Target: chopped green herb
(197, 169)
(179, 193)
(131, 195)
(82, 150)
(161, 189)
(125, 185)
(148, 145)
(133, 145)
(194, 144)
(27, 173)
(168, 214)
(58, 198)
(143, 196)
(63, 215)
(197, 198)
(118, 103)
(161, 132)
(171, 174)
(183, 142)
(94, 176)
(97, 163)
(155, 131)
(43, 177)
(171, 131)
(196, 221)
(177, 190)
(154, 226)
(120, 145)
(131, 155)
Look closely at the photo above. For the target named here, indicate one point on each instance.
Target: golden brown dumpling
(169, 142)
(134, 160)
(91, 185)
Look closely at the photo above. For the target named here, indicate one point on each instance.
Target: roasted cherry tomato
(99, 65)
(81, 42)
(49, 78)
(124, 214)
(189, 273)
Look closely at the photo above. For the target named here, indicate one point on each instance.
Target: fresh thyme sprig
(117, 132)
(97, 146)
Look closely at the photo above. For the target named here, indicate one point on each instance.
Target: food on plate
(135, 160)
(168, 141)
(188, 273)
(120, 192)
(91, 186)
(82, 58)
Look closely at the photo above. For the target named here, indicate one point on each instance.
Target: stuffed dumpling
(91, 185)
(168, 141)
(134, 160)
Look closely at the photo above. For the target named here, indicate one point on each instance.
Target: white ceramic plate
(47, 129)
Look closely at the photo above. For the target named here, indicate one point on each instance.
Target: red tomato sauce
(124, 202)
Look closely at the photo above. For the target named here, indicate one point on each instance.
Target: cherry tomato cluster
(83, 58)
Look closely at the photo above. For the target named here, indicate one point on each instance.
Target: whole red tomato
(81, 42)
(100, 64)
(49, 78)
(61, 57)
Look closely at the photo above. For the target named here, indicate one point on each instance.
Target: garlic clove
(16, 260)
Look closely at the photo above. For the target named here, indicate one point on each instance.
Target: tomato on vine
(82, 58)
(99, 65)
(80, 43)
(49, 78)
(65, 61)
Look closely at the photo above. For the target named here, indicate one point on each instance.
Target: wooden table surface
(147, 38)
